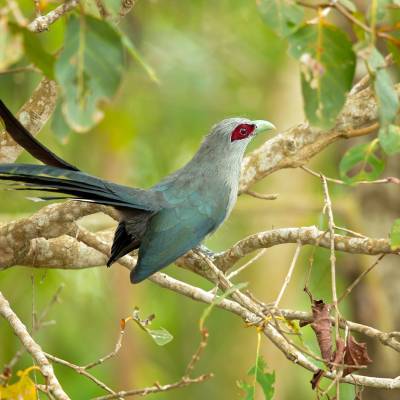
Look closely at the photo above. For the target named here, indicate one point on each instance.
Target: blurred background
(213, 60)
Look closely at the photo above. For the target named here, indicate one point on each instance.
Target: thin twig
(37, 8)
(33, 348)
(288, 275)
(389, 179)
(102, 9)
(126, 6)
(262, 196)
(196, 356)
(351, 232)
(343, 11)
(358, 279)
(113, 353)
(81, 371)
(157, 388)
(43, 22)
(331, 224)
(39, 323)
(246, 265)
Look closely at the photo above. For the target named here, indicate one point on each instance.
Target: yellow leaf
(24, 389)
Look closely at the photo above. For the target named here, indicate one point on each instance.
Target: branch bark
(33, 348)
(296, 146)
(33, 115)
(309, 235)
(42, 22)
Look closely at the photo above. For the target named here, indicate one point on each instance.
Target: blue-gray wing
(174, 231)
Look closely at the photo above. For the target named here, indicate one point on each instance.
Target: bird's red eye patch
(242, 131)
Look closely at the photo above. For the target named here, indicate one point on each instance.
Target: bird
(163, 222)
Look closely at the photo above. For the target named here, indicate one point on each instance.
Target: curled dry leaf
(350, 353)
(316, 378)
(322, 326)
(356, 354)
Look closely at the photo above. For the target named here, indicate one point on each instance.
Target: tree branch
(33, 115)
(296, 146)
(33, 348)
(50, 222)
(309, 235)
(185, 381)
(42, 22)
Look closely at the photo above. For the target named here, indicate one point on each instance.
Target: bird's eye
(242, 131)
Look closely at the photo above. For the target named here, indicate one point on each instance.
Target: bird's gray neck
(222, 165)
(215, 170)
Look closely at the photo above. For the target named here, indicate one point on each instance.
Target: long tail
(29, 143)
(60, 177)
(61, 181)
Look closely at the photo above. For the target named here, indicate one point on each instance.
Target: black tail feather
(74, 183)
(123, 244)
(29, 143)
(58, 176)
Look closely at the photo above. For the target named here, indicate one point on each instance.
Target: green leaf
(395, 235)
(248, 390)
(349, 5)
(282, 16)
(264, 379)
(59, 126)
(389, 139)
(217, 300)
(327, 64)
(88, 70)
(388, 103)
(160, 336)
(37, 55)
(362, 163)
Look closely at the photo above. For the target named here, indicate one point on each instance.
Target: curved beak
(262, 126)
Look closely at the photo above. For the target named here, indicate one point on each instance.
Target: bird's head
(234, 134)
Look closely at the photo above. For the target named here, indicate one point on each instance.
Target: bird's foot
(208, 253)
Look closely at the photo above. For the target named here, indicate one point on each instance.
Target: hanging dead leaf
(356, 354)
(316, 378)
(322, 325)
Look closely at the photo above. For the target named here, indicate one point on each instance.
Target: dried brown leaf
(322, 326)
(356, 354)
(316, 378)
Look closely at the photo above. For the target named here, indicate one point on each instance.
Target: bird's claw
(208, 253)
